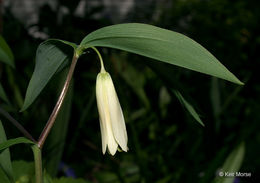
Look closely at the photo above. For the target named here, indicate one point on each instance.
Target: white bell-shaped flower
(112, 123)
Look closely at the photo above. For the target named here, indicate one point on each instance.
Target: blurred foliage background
(166, 144)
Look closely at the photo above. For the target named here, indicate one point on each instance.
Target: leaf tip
(24, 107)
(239, 82)
(202, 124)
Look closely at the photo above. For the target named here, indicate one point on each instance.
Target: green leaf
(73, 45)
(23, 171)
(160, 44)
(107, 176)
(232, 164)
(188, 106)
(3, 176)
(3, 95)
(130, 74)
(69, 180)
(6, 54)
(50, 56)
(213, 165)
(5, 158)
(47, 178)
(11, 142)
(165, 179)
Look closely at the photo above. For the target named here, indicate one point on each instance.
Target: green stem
(100, 58)
(57, 107)
(38, 163)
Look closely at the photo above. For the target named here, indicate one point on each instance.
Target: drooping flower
(112, 123)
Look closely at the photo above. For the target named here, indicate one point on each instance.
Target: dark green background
(165, 143)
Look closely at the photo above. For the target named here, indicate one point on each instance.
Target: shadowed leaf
(11, 142)
(50, 56)
(3, 94)
(188, 106)
(6, 54)
(5, 158)
(231, 165)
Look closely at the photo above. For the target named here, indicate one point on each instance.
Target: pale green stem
(101, 60)
(37, 163)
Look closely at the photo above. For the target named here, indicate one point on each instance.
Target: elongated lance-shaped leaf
(3, 95)
(231, 165)
(3, 177)
(159, 44)
(51, 55)
(6, 54)
(188, 106)
(5, 158)
(11, 142)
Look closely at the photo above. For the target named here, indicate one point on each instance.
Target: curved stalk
(100, 58)
(57, 107)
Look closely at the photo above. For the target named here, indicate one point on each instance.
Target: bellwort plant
(112, 122)
(53, 55)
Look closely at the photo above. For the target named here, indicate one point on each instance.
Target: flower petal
(108, 138)
(112, 144)
(103, 136)
(100, 103)
(116, 115)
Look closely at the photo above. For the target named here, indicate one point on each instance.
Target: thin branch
(57, 107)
(17, 124)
